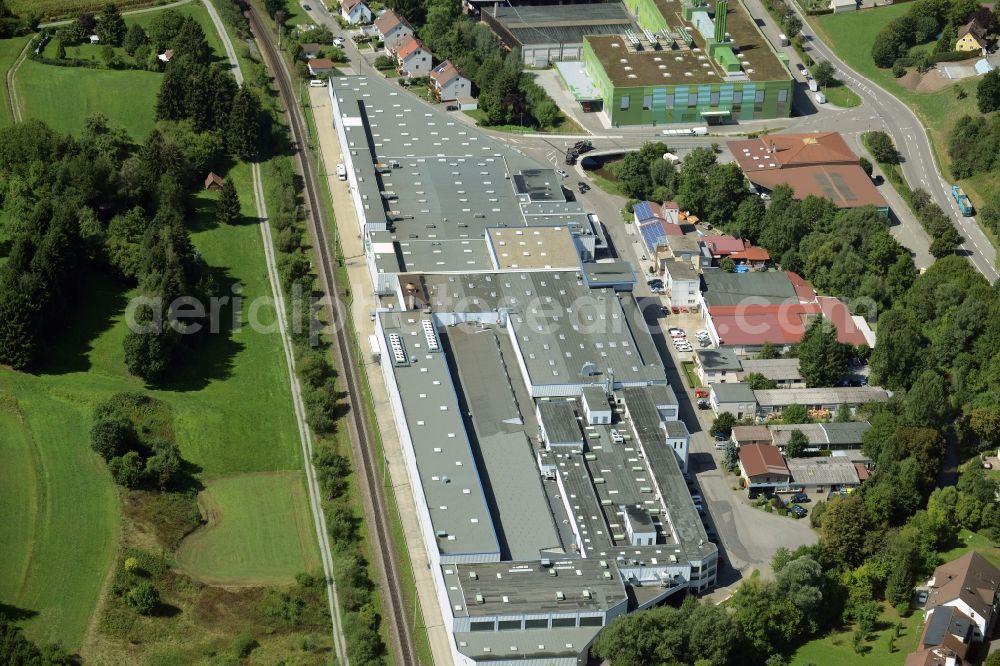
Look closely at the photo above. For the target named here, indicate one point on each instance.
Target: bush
(144, 598)
(898, 70)
(243, 645)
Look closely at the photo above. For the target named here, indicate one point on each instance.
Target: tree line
(925, 21)
(12, 25)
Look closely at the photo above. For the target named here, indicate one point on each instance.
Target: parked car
(798, 497)
(672, 330)
(799, 511)
(721, 444)
(338, 42)
(684, 309)
(317, 83)
(702, 404)
(562, 174)
(922, 597)
(711, 534)
(675, 309)
(696, 497)
(720, 436)
(702, 333)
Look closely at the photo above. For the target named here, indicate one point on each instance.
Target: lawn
(259, 532)
(842, 96)
(126, 97)
(973, 541)
(836, 648)
(691, 375)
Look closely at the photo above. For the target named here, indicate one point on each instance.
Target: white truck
(820, 97)
(813, 86)
(783, 40)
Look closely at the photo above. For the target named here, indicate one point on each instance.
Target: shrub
(243, 645)
(144, 598)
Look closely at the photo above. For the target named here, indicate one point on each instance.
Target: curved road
(917, 155)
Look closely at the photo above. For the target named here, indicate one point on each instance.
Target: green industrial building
(689, 64)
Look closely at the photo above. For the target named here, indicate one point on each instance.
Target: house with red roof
(413, 59)
(739, 250)
(762, 468)
(319, 66)
(392, 29)
(818, 163)
(449, 82)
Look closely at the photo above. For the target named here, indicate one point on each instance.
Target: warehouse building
(546, 34)
(688, 63)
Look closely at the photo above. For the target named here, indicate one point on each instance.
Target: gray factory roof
(437, 184)
(514, 588)
(534, 248)
(558, 24)
(729, 393)
(780, 434)
(718, 359)
(681, 270)
(823, 434)
(676, 429)
(561, 325)
(596, 397)
(564, 643)
(449, 478)
(820, 396)
(514, 492)
(773, 368)
(823, 471)
(559, 420)
(844, 434)
(723, 288)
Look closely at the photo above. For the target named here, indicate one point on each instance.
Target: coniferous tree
(243, 135)
(134, 38)
(227, 209)
(821, 358)
(171, 103)
(111, 26)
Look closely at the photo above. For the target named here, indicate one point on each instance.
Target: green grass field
(9, 50)
(842, 96)
(259, 532)
(973, 541)
(58, 508)
(126, 97)
(53, 9)
(837, 649)
(852, 34)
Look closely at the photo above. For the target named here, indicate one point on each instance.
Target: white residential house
(393, 30)
(413, 59)
(355, 11)
(449, 83)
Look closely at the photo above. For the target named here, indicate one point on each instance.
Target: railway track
(370, 483)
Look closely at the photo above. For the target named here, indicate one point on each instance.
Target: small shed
(94, 39)
(213, 181)
(166, 56)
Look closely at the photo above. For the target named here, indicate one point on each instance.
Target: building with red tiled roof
(319, 66)
(413, 58)
(392, 30)
(762, 467)
(818, 164)
(722, 246)
(449, 82)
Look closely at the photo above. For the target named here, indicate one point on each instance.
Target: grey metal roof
(850, 432)
(510, 476)
(820, 396)
(774, 368)
(681, 270)
(559, 418)
(560, 324)
(676, 429)
(729, 393)
(565, 643)
(449, 479)
(513, 588)
(558, 24)
(719, 359)
(436, 183)
(946, 620)
(723, 288)
(781, 433)
(822, 471)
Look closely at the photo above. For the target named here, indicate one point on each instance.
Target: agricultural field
(59, 9)
(232, 418)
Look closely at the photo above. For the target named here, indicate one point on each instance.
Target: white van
(820, 98)
(783, 40)
(317, 83)
(813, 86)
(341, 172)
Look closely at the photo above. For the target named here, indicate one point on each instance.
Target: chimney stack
(721, 8)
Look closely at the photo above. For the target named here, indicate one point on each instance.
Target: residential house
(684, 247)
(822, 402)
(682, 283)
(961, 610)
(355, 11)
(818, 163)
(752, 256)
(717, 366)
(449, 82)
(392, 29)
(311, 50)
(413, 59)
(737, 399)
(971, 38)
(762, 468)
(319, 66)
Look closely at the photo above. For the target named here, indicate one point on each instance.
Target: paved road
(305, 435)
(918, 163)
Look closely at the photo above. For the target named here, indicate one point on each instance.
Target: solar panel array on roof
(643, 211)
(652, 233)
